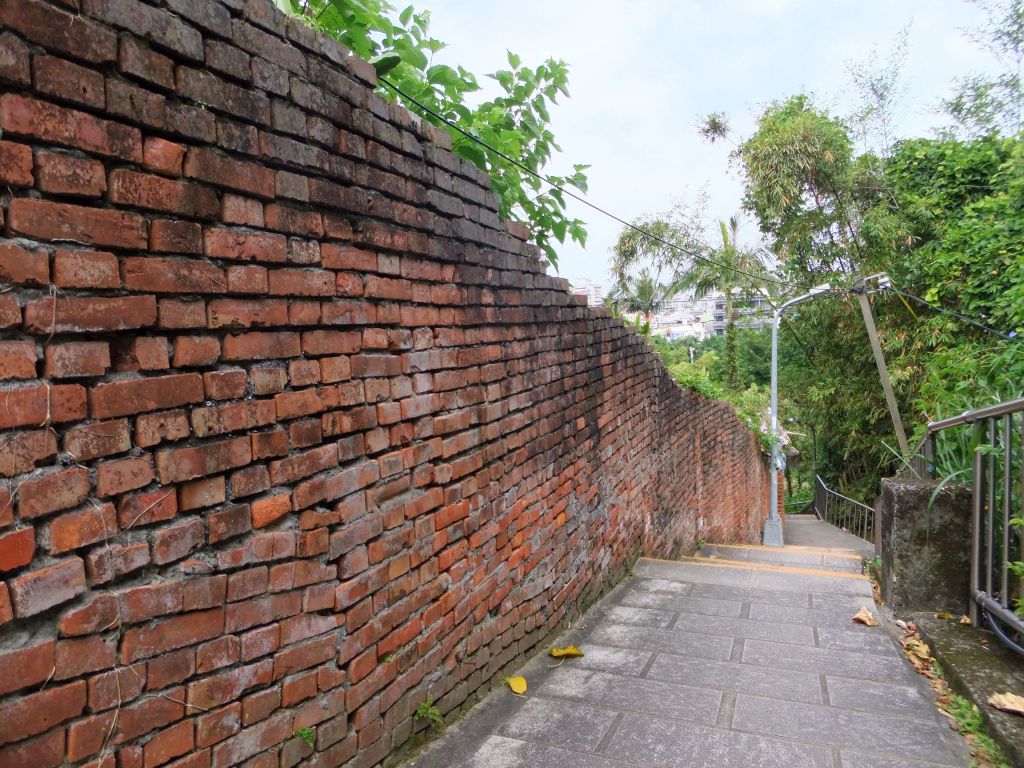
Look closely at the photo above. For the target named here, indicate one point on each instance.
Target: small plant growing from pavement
(428, 711)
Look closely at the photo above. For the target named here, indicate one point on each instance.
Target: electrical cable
(571, 194)
(951, 313)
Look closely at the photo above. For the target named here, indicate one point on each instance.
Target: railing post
(977, 488)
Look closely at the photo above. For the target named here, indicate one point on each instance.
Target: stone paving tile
(619, 661)
(836, 584)
(796, 599)
(843, 728)
(673, 744)
(840, 618)
(864, 760)
(661, 585)
(825, 661)
(502, 752)
(876, 641)
(651, 639)
(702, 605)
(883, 698)
(799, 558)
(757, 630)
(633, 694)
(642, 617)
(710, 691)
(737, 678)
(561, 723)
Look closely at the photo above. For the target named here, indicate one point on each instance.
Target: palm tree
(731, 270)
(643, 295)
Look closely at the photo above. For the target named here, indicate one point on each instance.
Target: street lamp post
(773, 525)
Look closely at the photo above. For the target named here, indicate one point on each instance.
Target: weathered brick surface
(295, 431)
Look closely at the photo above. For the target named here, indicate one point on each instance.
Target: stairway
(825, 561)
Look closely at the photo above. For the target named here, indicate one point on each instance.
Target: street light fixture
(773, 525)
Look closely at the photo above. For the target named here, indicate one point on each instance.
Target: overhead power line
(964, 318)
(573, 195)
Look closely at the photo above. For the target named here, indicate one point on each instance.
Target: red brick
(122, 475)
(216, 654)
(145, 353)
(225, 385)
(201, 493)
(23, 267)
(182, 314)
(253, 740)
(170, 668)
(66, 32)
(157, 193)
(6, 611)
(149, 715)
(99, 613)
(43, 752)
(146, 64)
(79, 657)
(116, 687)
(73, 530)
(121, 398)
(239, 245)
(17, 359)
(218, 725)
(181, 464)
(16, 164)
(247, 278)
(26, 666)
(169, 634)
(112, 561)
(153, 428)
(301, 282)
(64, 174)
(247, 313)
(53, 492)
(229, 686)
(10, 312)
(80, 314)
(23, 116)
(272, 443)
(34, 592)
(67, 81)
(270, 509)
(86, 269)
(168, 744)
(17, 548)
(38, 712)
(229, 522)
(336, 256)
(261, 346)
(236, 209)
(37, 405)
(23, 450)
(171, 236)
(94, 441)
(159, 275)
(208, 165)
(250, 480)
(147, 507)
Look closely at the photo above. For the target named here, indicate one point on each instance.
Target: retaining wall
(295, 432)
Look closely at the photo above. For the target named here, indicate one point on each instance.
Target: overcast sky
(641, 73)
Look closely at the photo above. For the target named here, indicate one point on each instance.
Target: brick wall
(295, 432)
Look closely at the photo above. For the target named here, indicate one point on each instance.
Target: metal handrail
(996, 498)
(843, 512)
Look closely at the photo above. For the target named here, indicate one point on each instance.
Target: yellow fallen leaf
(568, 652)
(944, 615)
(966, 620)
(1008, 702)
(864, 616)
(517, 684)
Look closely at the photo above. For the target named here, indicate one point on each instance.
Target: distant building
(593, 291)
(687, 317)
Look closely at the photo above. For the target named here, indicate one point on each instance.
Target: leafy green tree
(986, 104)
(516, 123)
(642, 295)
(734, 272)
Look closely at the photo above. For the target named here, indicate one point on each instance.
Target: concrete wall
(296, 432)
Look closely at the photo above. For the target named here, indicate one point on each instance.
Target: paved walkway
(739, 658)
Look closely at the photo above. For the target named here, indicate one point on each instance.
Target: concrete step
(825, 559)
